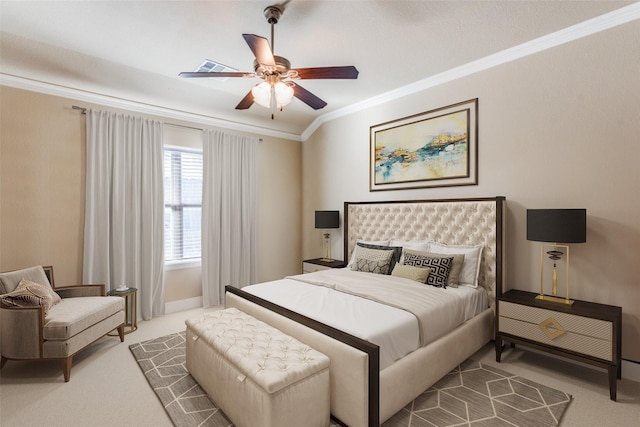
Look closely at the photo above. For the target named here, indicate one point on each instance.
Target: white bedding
(394, 330)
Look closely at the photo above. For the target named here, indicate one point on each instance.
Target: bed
(364, 390)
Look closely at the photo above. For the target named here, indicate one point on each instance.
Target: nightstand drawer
(584, 335)
(569, 341)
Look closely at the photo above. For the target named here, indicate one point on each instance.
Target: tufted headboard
(450, 221)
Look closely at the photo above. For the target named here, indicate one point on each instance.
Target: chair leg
(121, 332)
(3, 362)
(66, 368)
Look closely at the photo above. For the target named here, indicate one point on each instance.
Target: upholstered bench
(256, 374)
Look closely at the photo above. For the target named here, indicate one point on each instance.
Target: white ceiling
(134, 50)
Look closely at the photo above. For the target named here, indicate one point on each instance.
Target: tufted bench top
(272, 359)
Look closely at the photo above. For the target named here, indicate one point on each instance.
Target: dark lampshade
(557, 225)
(327, 219)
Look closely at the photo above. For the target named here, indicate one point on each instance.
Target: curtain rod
(183, 126)
(84, 111)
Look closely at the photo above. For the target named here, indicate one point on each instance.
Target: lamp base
(559, 300)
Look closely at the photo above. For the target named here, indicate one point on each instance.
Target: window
(182, 203)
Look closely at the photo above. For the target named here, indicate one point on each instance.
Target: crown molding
(586, 28)
(109, 101)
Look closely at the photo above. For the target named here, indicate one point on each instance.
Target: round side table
(130, 296)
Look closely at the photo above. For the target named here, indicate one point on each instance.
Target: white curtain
(124, 209)
(229, 217)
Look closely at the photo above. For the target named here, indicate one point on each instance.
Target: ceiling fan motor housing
(282, 67)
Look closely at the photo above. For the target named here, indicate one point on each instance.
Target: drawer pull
(551, 328)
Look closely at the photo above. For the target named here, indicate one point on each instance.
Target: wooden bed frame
(361, 394)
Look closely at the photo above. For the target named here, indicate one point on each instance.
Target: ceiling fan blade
(261, 49)
(246, 102)
(347, 72)
(216, 74)
(307, 97)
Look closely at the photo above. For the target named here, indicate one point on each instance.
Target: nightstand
(584, 331)
(317, 264)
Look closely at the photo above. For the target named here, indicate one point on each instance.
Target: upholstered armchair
(40, 321)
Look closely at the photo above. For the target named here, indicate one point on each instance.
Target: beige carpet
(473, 394)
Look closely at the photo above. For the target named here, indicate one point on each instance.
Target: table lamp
(555, 226)
(326, 220)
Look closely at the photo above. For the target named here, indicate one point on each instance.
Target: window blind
(182, 203)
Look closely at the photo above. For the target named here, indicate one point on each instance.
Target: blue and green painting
(431, 149)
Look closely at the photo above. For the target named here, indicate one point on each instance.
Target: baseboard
(183, 304)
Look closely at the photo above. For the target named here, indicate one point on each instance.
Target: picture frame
(437, 148)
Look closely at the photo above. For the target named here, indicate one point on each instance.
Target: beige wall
(279, 204)
(42, 161)
(558, 129)
(42, 154)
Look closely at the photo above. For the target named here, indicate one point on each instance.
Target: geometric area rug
(473, 394)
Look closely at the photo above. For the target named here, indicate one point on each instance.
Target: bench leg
(66, 368)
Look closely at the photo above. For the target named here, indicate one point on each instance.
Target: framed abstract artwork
(438, 148)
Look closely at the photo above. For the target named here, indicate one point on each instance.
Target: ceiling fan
(278, 87)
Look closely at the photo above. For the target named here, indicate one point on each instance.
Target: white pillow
(369, 242)
(416, 245)
(471, 263)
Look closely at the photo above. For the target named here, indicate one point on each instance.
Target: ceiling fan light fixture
(262, 94)
(284, 94)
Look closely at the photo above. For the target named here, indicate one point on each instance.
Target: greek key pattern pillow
(456, 265)
(440, 268)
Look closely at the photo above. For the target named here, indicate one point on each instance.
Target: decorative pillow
(419, 274)
(471, 264)
(372, 260)
(416, 245)
(397, 252)
(353, 254)
(456, 266)
(29, 293)
(9, 280)
(440, 268)
(371, 266)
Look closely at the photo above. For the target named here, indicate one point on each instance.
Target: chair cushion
(29, 293)
(74, 315)
(10, 280)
